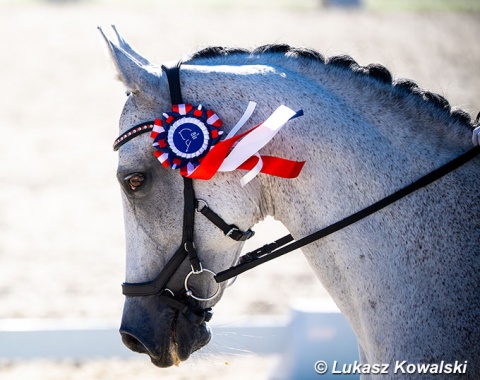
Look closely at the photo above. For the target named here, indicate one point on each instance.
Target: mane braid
(215, 52)
(374, 71)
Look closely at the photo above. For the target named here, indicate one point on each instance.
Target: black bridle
(192, 205)
(158, 286)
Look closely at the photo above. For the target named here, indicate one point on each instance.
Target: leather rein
(181, 302)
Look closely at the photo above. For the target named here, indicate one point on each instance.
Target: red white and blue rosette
(184, 136)
(188, 138)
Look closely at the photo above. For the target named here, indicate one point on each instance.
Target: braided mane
(374, 71)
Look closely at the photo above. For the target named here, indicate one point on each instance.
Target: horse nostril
(133, 343)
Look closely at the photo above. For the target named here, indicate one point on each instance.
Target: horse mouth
(167, 346)
(165, 358)
(174, 358)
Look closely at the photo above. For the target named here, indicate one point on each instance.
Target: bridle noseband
(158, 287)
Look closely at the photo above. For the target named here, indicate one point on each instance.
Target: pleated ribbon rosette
(188, 138)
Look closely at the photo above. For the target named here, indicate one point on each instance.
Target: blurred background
(61, 225)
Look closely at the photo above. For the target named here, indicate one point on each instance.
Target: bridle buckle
(197, 271)
(199, 202)
(232, 230)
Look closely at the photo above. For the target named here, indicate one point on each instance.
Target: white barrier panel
(60, 339)
(80, 339)
(316, 339)
(307, 336)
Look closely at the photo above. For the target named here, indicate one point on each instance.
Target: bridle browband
(254, 258)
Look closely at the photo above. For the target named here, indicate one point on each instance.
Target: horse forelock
(301, 58)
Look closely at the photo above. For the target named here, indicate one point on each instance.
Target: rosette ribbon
(234, 152)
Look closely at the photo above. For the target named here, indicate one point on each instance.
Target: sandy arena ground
(61, 235)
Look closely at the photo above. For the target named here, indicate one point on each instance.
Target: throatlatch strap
(230, 230)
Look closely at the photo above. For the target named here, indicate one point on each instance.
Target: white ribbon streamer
(252, 173)
(246, 115)
(257, 139)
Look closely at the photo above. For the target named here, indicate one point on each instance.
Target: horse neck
(362, 139)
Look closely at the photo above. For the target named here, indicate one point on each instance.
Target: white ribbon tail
(252, 173)
(257, 139)
(246, 115)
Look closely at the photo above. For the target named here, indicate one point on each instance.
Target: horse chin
(166, 336)
(184, 344)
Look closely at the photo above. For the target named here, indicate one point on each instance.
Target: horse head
(166, 324)
(365, 137)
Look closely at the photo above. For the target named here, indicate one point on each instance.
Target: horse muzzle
(166, 334)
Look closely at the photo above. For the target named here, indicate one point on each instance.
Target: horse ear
(132, 68)
(124, 45)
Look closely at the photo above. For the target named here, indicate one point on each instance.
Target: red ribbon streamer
(276, 166)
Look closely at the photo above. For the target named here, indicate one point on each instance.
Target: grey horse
(406, 278)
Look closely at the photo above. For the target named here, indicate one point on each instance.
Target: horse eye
(135, 181)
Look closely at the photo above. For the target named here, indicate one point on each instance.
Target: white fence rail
(305, 337)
